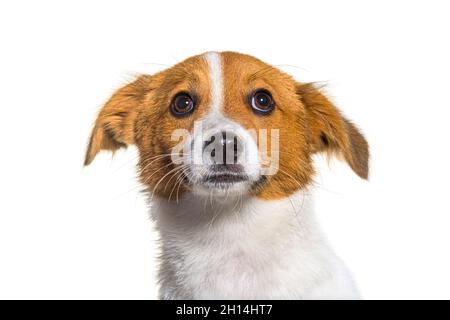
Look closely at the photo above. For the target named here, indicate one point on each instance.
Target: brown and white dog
(235, 221)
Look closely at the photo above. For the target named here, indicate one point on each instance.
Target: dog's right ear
(114, 127)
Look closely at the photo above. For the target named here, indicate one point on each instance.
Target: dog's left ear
(330, 132)
(114, 127)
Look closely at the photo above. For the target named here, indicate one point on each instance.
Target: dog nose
(223, 147)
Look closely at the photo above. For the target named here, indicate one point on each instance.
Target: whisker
(179, 179)
(156, 158)
(160, 180)
(147, 179)
(179, 168)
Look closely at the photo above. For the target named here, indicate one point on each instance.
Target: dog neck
(199, 214)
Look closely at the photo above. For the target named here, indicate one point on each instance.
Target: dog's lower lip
(226, 178)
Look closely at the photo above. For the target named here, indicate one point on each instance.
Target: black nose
(223, 147)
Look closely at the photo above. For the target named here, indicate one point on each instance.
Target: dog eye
(182, 104)
(262, 102)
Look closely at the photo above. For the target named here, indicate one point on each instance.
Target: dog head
(225, 123)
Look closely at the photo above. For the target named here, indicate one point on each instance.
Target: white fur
(246, 248)
(214, 60)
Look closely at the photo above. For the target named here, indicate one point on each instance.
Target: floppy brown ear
(114, 127)
(330, 132)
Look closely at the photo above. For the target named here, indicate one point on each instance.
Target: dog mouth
(224, 176)
(225, 179)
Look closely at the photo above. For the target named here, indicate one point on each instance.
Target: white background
(73, 232)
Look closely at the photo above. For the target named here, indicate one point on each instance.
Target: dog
(235, 221)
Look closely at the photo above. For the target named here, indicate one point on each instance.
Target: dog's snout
(223, 147)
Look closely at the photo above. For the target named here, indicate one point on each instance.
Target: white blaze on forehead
(214, 60)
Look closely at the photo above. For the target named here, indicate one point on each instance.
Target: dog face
(225, 123)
